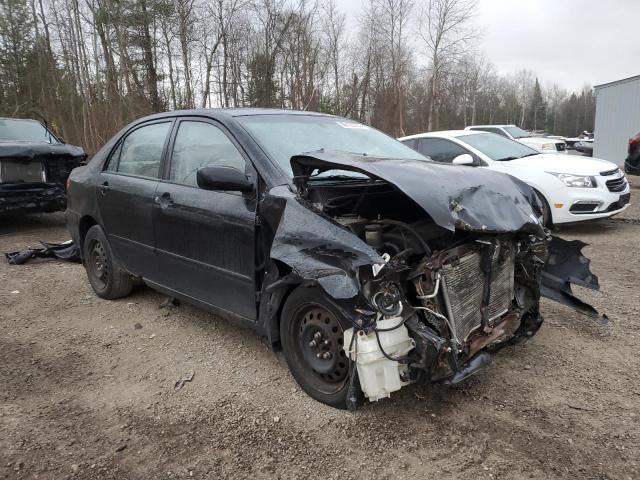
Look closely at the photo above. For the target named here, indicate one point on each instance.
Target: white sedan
(572, 188)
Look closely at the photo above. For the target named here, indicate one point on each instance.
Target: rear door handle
(104, 187)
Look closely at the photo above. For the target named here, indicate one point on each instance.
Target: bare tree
(446, 32)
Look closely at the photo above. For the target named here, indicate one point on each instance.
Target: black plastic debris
(67, 251)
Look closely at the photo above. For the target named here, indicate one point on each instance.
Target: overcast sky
(571, 42)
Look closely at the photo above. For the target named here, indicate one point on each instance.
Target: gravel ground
(87, 388)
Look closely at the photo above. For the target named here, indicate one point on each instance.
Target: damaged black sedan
(34, 167)
(369, 265)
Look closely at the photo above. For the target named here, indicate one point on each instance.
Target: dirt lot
(86, 394)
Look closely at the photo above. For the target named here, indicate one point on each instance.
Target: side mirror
(223, 178)
(464, 159)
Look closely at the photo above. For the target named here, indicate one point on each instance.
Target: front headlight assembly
(579, 181)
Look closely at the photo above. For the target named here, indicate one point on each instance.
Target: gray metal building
(617, 118)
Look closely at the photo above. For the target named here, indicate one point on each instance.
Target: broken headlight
(580, 181)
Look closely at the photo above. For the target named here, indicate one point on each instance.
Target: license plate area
(31, 172)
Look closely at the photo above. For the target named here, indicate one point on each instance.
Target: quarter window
(440, 150)
(140, 153)
(200, 144)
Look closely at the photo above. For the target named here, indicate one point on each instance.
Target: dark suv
(34, 166)
(369, 265)
(632, 163)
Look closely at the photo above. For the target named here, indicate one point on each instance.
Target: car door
(126, 189)
(441, 150)
(205, 239)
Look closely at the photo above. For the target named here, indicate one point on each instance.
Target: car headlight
(548, 146)
(580, 181)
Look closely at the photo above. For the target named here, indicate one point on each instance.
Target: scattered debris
(580, 407)
(186, 377)
(64, 251)
(169, 302)
(152, 336)
(137, 326)
(15, 292)
(121, 447)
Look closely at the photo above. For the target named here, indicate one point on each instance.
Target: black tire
(307, 311)
(547, 220)
(106, 276)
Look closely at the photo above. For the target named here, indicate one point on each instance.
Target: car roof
(231, 112)
(485, 126)
(442, 133)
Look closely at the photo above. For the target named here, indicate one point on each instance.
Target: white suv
(572, 188)
(542, 144)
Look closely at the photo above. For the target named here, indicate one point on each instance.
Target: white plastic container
(378, 375)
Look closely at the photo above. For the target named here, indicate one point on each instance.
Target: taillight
(634, 140)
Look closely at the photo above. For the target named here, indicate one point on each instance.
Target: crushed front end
(441, 269)
(33, 176)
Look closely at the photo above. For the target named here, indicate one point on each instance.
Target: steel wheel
(312, 335)
(320, 344)
(106, 276)
(98, 264)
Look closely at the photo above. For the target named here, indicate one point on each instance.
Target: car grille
(622, 201)
(561, 147)
(463, 283)
(617, 184)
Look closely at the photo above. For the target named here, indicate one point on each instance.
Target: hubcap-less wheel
(319, 342)
(98, 264)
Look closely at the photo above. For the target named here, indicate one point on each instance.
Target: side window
(200, 144)
(440, 150)
(140, 153)
(499, 131)
(410, 143)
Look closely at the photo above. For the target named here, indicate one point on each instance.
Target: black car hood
(455, 197)
(27, 151)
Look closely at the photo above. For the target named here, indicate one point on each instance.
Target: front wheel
(312, 335)
(107, 278)
(547, 220)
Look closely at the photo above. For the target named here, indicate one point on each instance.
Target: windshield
(517, 132)
(14, 130)
(283, 136)
(496, 147)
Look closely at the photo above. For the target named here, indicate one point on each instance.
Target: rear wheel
(312, 335)
(107, 278)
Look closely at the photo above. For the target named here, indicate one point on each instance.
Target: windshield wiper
(506, 159)
(338, 178)
(529, 155)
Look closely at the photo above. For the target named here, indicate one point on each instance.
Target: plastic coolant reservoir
(378, 375)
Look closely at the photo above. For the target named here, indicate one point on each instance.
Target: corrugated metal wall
(617, 119)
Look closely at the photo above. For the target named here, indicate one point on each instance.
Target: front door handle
(164, 200)
(103, 187)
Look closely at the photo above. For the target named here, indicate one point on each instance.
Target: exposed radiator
(464, 281)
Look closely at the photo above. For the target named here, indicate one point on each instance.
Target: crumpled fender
(317, 249)
(471, 199)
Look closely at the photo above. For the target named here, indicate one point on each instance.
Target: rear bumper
(20, 198)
